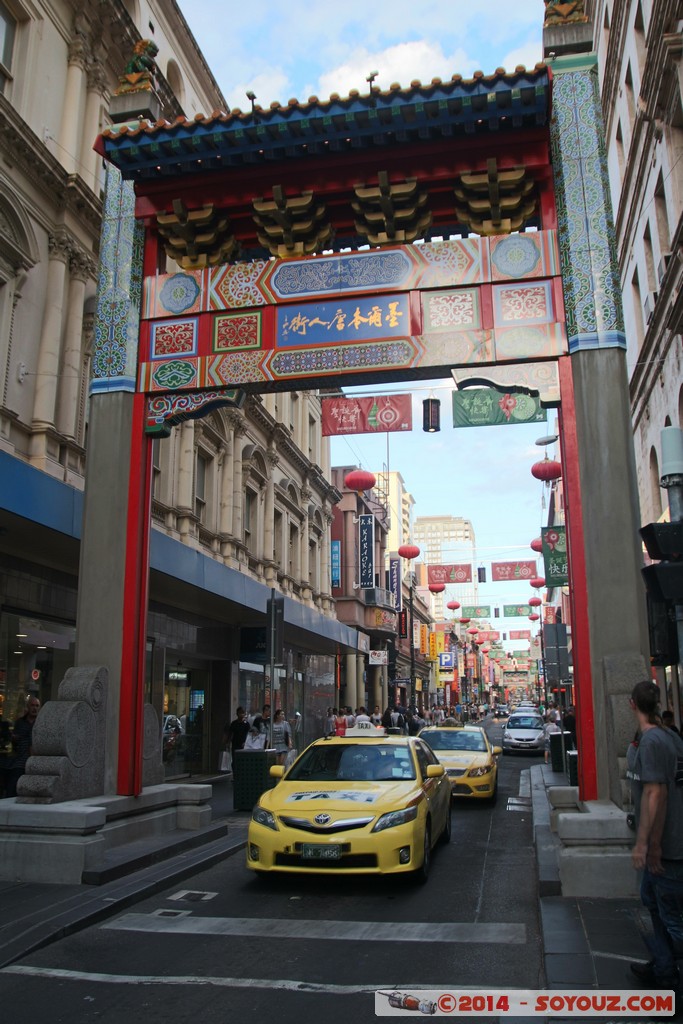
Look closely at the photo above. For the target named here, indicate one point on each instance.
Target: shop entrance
(185, 734)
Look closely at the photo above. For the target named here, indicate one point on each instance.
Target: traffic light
(664, 543)
(661, 621)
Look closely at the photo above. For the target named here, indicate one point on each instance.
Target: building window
(201, 472)
(8, 28)
(249, 519)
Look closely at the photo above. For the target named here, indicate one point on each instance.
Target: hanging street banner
(395, 581)
(335, 563)
(366, 551)
(501, 571)
(476, 611)
(513, 611)
(449, 574)
(487, 407)
(554, 540)
(520, 634)
(383, 414)
(487, 636)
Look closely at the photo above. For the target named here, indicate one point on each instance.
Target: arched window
(175, 80)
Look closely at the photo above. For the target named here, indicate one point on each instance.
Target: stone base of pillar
(594, 854)
(100, 838)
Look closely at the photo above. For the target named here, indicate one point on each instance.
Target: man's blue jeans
(662, 895)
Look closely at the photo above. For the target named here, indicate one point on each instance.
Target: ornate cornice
(67, 192)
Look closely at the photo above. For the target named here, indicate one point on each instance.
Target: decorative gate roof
(379, 119)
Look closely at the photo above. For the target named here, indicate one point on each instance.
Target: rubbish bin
(559, 744)
(573, 767)
(251, 776)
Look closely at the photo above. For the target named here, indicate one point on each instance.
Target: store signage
(366, 551)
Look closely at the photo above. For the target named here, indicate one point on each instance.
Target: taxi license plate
(320, 851)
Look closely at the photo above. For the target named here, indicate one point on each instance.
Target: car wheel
(445, 836)
(422, 873)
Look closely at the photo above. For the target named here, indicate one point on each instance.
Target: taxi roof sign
(365, 729)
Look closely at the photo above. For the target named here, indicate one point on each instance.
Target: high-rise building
(445, 540)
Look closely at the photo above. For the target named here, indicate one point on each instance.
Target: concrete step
(120, 861)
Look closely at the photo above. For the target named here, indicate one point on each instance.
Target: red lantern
(536, 544)
(535, 602)
(546, 470)
(464, 621)
(437, 588)
(409, 551)
(537, 582)
(453, 605)
(360, 480)
(473, 629)
(534, 617)
(485, 650)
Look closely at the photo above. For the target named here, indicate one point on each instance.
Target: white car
(523, 731)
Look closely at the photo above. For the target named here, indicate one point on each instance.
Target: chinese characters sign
(520, 634)
(501, 571)
(382, 414)
(476, 611)
(484, 407)
(554, 540)
(449, 574)
(386, 316)
(511, 611)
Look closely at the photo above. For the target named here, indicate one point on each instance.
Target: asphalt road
(225, 946)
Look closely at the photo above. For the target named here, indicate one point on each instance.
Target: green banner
(476, 611)
(512, 611)
(554, 540)
(488, 407)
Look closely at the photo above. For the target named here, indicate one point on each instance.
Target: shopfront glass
(185, 721)
(35, 654)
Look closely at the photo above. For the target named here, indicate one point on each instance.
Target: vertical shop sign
(395, 581)
(335, 563)
(366, 551)
(554, 540)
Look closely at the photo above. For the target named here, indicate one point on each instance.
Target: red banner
(520, 634)
(501, 571)
(379, 415)
(449, 574)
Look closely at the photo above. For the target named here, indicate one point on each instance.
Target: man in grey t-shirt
(655, 767)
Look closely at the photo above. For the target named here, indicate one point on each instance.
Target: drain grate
(193, 896)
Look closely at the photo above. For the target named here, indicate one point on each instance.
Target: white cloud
(269, 86)
(402, 63)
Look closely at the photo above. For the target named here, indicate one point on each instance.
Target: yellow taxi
(470, 760)
(363, 803)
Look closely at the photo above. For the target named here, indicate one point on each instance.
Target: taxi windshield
(353, 762)
(454, 739)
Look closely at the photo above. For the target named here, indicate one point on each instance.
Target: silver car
(523, 731)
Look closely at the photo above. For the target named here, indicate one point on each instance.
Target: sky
(297, 50)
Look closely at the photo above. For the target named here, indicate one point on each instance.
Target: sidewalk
(588, 943)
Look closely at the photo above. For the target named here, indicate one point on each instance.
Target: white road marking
(191, 979)
(356, 931)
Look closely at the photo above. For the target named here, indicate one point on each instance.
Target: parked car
(523, 731)
(469, 758)
(365, 802)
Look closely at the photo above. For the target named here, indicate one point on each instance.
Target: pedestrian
(362, 715)
(350, 718)
(329, 721)
(22, 740)
(569, 723)
(549, 727)
(376, 716)
(282, 736)
(655, 767)
(236, 732)
(340, 723)
(668, 722)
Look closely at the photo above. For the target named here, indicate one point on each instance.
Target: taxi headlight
(483, 769)
(263, 817)
(393, 818)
